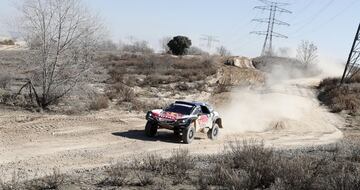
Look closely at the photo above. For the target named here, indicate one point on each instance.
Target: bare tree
(223, 51)
(307, 52)
(67, 36)
(164, 44)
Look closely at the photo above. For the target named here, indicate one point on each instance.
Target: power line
(271, 21)
(342, 11)
(314, 17)
(210, 40)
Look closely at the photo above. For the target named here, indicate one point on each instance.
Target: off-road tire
(213, 133)
(188, 134)
(150, 129)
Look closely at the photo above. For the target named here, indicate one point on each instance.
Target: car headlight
(183, 121)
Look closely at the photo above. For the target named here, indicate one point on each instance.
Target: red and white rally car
(184, 118)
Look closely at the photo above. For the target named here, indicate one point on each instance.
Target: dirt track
(35, 143)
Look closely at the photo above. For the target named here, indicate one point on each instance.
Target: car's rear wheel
(150, 129)
(188, 134)
(213, 133)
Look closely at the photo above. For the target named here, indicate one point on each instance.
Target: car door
(205, 117)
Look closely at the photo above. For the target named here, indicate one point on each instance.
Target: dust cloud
(283, 100)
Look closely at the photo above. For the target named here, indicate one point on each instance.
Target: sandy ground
(33, 143)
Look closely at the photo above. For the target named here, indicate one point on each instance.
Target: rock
(241, 62)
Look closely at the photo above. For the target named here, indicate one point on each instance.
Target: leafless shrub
(177, 165)
(153, 163)
(146, 105)
(137, 47)
(164, 44)
(107, 45)
(159, 70)
(5, 80)
(223, 51)
(99, 102)
(144, 178)
(339, 98)
(121, 92)
(116, 175)
(345, 177)
(223, 85)
(52, 181)
(14, 184)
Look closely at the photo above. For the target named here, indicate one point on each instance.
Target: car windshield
(180, 108)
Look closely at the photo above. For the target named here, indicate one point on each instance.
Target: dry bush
(100, 102)
(7, 42)
(137, 47)
(5, 79)
(52, 181)
(159, 69)
(177, 165)
(121, 92)
(340, 97)
(146, 105)
(144, 178)
(14, 184)
(224, 85)
(117, 175)
(250, 165)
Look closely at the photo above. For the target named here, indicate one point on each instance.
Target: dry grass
(244, 165)
(54, 181)
(158, 69)
(5, 79)
(100, 102)
(341, 97)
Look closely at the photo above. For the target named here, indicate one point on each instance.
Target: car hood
(169, 115)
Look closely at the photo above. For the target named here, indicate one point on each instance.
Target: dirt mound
(288, 67)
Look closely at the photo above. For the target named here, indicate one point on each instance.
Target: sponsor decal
(203, 119)
(168, 115)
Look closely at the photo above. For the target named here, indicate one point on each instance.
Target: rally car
(185, 119)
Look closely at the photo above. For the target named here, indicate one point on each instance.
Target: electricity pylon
(273, 8)
(210, 40)
(353, 63)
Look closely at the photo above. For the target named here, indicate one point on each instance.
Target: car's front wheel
(150, 129)
(188, 134)
(213, 133)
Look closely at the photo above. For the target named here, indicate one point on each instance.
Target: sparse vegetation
(99, 102)
(5, 79)
(223, 51)
(141, 47)
(244, 165)
(7, 42)
(341, 97)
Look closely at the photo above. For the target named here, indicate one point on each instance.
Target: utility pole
(210, 40)
(271, 21)
(353, 63)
